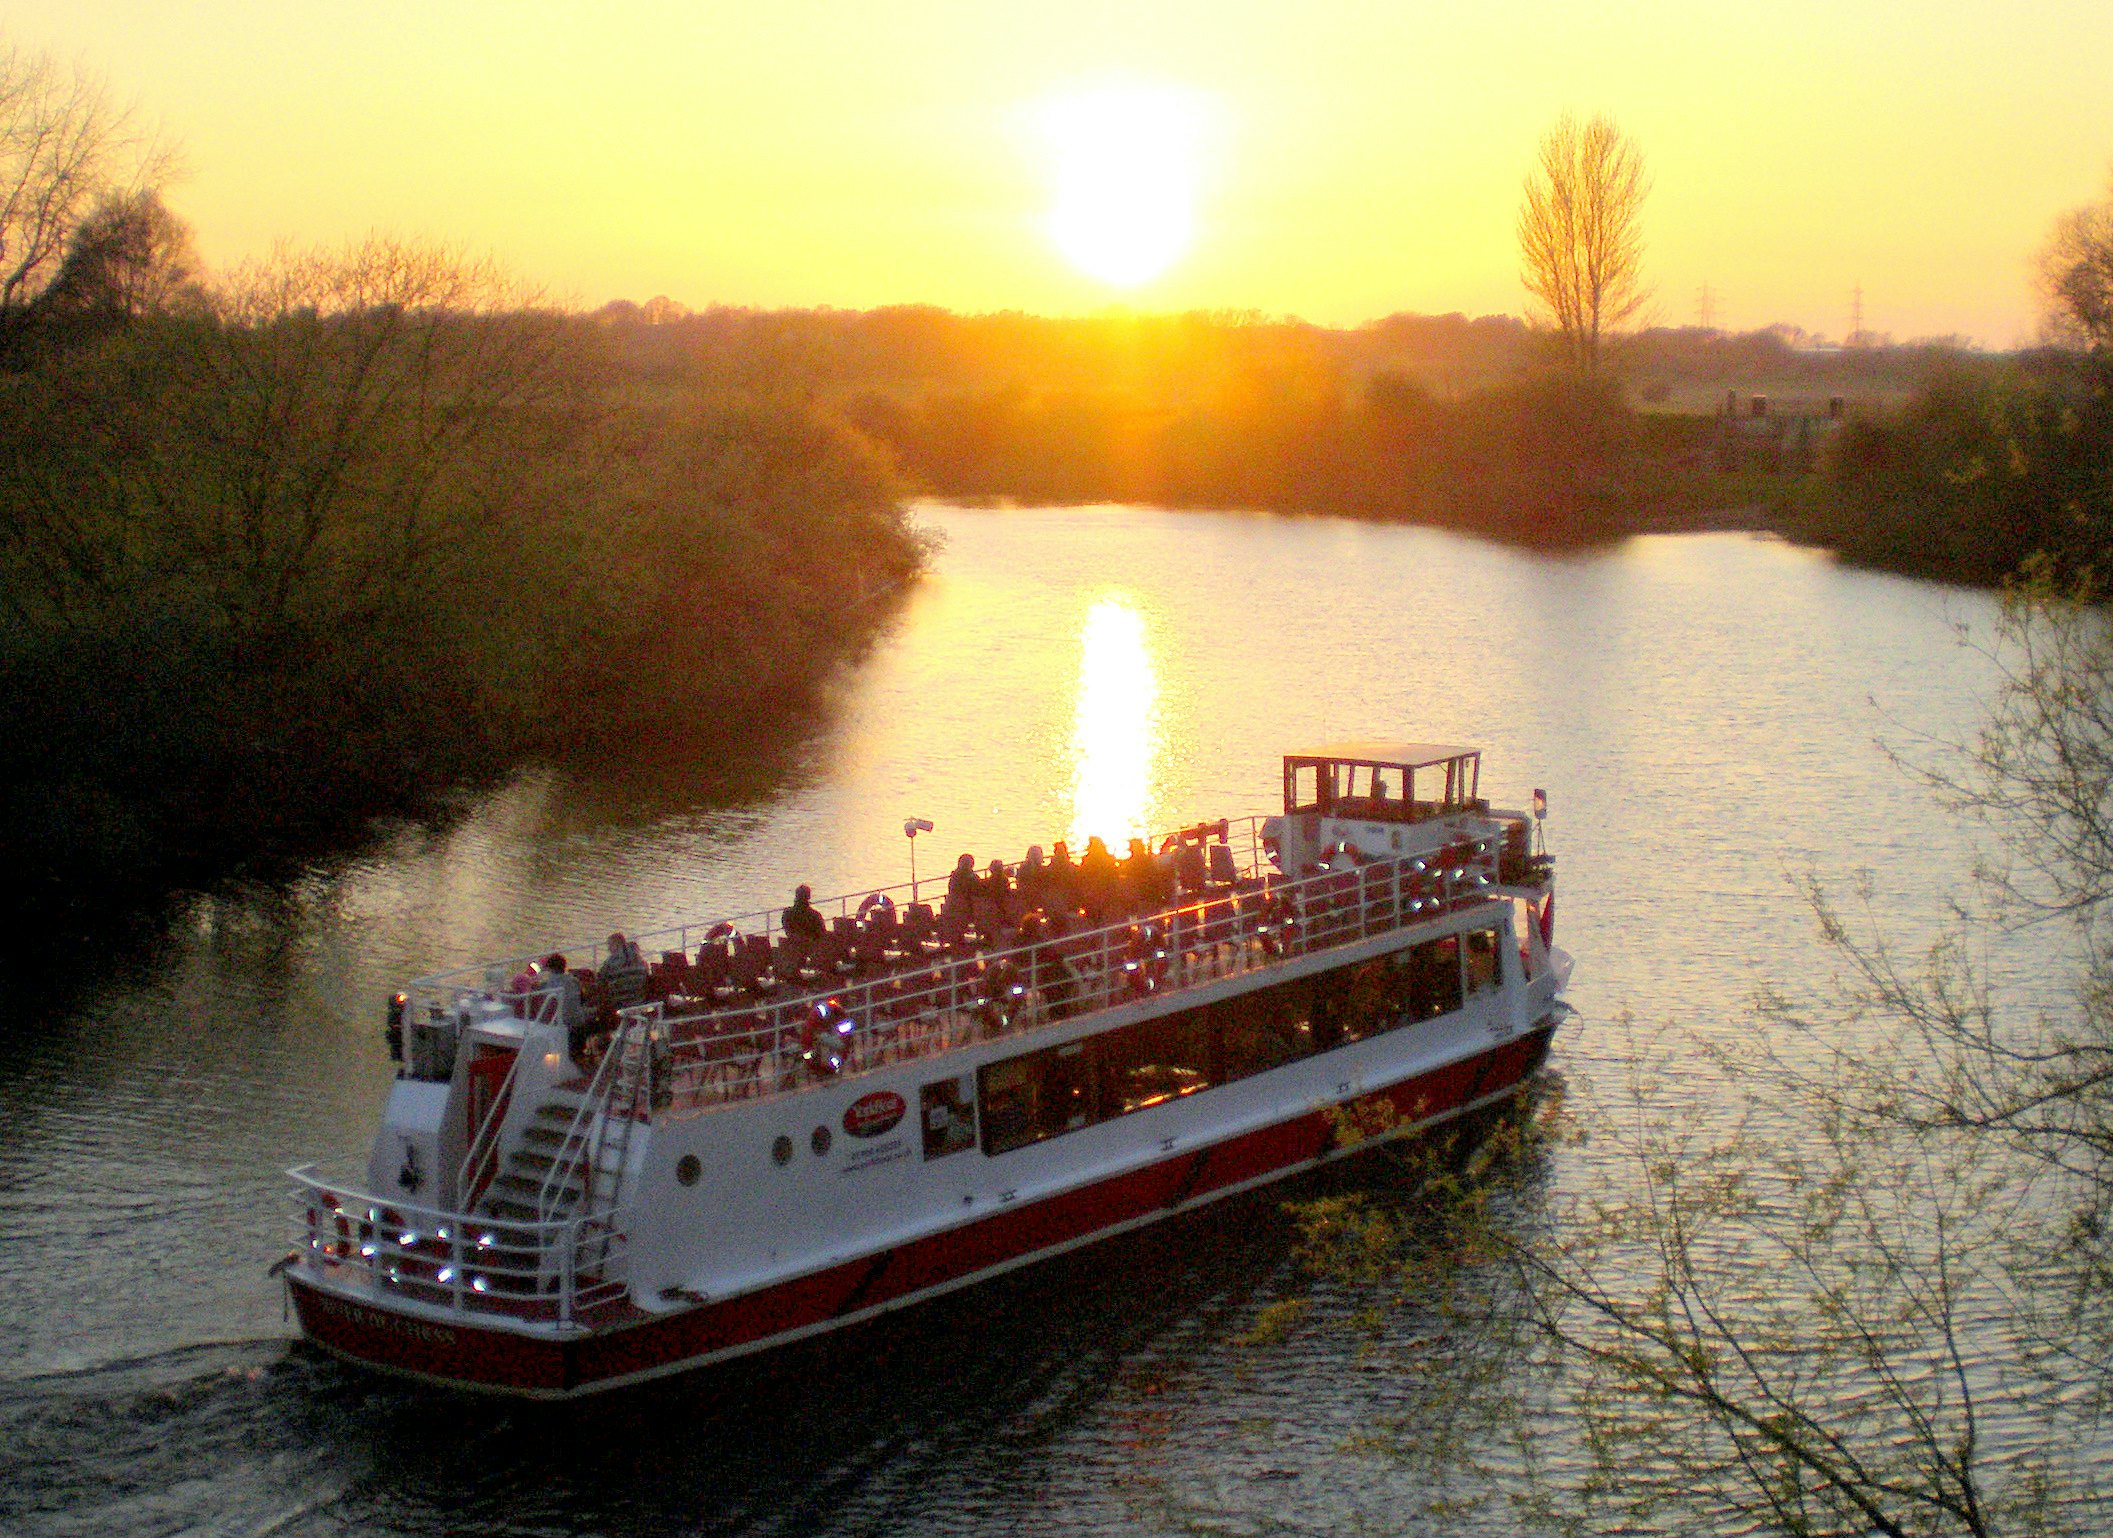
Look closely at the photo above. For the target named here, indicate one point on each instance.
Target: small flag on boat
(1540, 804)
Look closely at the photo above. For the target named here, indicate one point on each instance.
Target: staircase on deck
(567, 1162)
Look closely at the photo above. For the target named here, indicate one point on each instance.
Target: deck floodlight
(911, 827)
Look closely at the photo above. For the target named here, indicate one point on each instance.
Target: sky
(1335, 160)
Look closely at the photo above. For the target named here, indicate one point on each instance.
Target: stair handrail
(615, 1131)
(633, 1025)
(485, 1145)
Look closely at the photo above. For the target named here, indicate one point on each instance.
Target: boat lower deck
(616, 1343)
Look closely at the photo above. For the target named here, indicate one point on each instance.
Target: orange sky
(1351, 157)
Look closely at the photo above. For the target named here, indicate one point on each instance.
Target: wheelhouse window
(1381, 790)
(1309, 787)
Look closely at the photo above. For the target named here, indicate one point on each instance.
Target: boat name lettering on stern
(388, 1324)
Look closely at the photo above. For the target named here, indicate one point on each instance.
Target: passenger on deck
(1100, 881)
(522, 986)
(564, 1005)
(1144, 885)
(801, 921)
(994, 904)
(623, 974)
(961, 888)
(1030, 881)
(1060, 881)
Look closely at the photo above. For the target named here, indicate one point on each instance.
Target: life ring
(825, 1038)
(1342, 855)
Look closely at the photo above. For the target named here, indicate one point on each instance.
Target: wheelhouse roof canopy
(1389, 755)
(1382, 781)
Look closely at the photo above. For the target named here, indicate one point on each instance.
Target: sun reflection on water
(1115, 735)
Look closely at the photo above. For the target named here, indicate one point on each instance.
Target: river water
(1703, 711)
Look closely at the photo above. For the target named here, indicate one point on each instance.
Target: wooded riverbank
(368, 528)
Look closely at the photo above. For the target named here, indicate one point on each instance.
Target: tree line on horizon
(1448, 420)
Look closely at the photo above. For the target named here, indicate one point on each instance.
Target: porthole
(781, 1150)
(688, 1168)
(819, 1142)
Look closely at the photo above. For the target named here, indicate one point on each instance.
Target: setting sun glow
(1124, 166)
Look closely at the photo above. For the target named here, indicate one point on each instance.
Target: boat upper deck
(738, 1009)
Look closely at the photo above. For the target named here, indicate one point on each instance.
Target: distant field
(1695, 397)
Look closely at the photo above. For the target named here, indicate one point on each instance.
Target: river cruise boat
(744, 1137)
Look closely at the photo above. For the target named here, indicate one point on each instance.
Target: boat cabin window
(949, 1111)
(1041, 1095)
(1026, 1099)
(1154, 1061)
(1431, 984)
(1525, 923)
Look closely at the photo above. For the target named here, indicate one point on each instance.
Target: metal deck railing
(561, 1272)
(438, 994)
(714, 1052)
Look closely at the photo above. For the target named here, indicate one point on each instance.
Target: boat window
(1433, 977)
(1155, 1061)
(1263, 1030)
(1026, 1099)
(949, 1110)
(1351, 1004)
(1040, 1095)
(1523, 926)
(1301, 788)
(1482, 970)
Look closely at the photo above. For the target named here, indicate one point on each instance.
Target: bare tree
(63, 149)
(2076, 276)
(329, 444)
(1581, 234)
(129, 257)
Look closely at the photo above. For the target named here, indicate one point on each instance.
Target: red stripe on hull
(481, 1357)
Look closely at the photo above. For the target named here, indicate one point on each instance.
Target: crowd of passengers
(995, 908)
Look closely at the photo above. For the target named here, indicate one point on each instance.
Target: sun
(1124, 166)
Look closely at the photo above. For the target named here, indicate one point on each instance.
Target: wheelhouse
(1383, 781)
